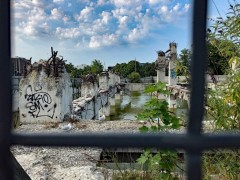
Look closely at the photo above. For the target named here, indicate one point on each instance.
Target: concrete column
(160, 66)
(172, 76)
(161, 75)
(118, 96)
(106, 110)
(112, 101)
(103, 81)
(89, 87)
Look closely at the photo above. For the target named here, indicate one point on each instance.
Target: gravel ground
(55, 163)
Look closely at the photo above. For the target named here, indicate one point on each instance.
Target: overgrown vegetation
(96, 67)
(223, 102)
(163, 164)
(134, 77)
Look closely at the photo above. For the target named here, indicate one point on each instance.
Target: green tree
(134, 77)
(121, 69)
(182, 66)
(87, 70)
(69, 67)
(217, 63)
(148, 69)
(225, 35)
(96, 67)
(223, 102)
(133, 66)
(73, 71)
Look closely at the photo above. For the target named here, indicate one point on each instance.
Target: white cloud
(164, 9)
(176, 7)
(66, 19)
(56, 14)
(90, 26)
(153, 2)
(94, 42)
(135, 35)
(85, 14)
(68, 33)
(58, 1)
(187, 7)
(102, 2)
(128, 4)
(104, 40)
(106, 17)
(123, 20)
(173, 14)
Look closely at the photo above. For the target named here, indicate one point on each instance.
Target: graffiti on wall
(173, 74)
(39, 103)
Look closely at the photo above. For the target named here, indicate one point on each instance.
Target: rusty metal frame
(193, 142)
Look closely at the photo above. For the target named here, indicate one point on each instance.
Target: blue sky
(112, 31)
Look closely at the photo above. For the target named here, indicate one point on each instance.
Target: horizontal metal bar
(167, 141)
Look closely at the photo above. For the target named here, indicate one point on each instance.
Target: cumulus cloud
(95, 23)
(85, 14)
(68, 33)
(106, 17)
(58, 1)
(56, 14)
(104, 40)
(173, 14)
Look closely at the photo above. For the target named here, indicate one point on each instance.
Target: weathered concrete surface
(15, 100)
(44, 98)
(135, 86)
(103, 81)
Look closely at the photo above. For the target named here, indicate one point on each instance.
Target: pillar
(172, 76)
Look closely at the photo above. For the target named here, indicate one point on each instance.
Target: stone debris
(68, 163)
(67, 127)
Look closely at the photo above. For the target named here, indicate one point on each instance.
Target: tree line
(134, 70)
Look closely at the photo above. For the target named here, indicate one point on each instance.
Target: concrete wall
(15, 100)
(103, 81)
(43, 98)
(135, 86)
(88, 108)
(113, 79)
(181, 79)
(89, 89)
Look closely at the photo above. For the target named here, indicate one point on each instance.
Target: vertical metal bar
(5, 91)
(198, 67)
(194, 168)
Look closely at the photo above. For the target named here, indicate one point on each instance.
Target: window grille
(193, 142)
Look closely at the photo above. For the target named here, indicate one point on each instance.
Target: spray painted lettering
(173, 74)
(39, 103)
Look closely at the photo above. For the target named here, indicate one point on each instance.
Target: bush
(134, 77)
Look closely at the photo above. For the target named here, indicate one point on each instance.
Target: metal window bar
(193, 142)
